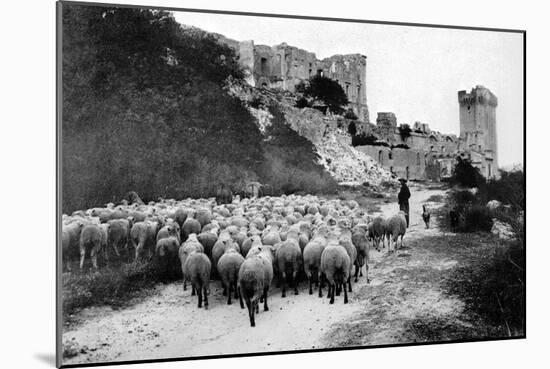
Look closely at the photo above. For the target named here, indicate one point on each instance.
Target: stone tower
(478, 130)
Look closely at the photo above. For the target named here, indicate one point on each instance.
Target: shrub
(352, 129)
(404, 132)
(302, 102)
(363, 139)
(350, 114)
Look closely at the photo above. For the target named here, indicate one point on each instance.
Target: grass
(114, 286)
(435, 198)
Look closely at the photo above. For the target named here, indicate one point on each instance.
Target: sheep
(203, 216)
(249, 243)
(171, 229)
(104, 239)
(426, 216)
(312, 259)
(346, 242)
(190, 225)
(207, 240)
(189, 246)
(228, 269)
(198, 268)
(133, 198)
(224, 194)
(376, 231)
(70, 238)
(180, 215)
(90, 239)
(396, 226)
(271, 237)
(166, 251)
(255, 276)
(221, 246)
(289, 258)
(359, 239)
(119, 233)
(335, 265)
(142, 238)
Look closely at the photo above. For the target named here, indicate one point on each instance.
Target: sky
(415, 72)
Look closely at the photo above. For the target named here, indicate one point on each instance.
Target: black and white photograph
(235, 184)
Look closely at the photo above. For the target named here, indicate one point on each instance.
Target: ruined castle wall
(404, 163)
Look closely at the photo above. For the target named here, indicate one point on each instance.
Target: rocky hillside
(332, 144)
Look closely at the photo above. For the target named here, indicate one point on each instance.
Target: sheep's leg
(265, 299)
(241, 298)
(367, 272)
(346, 294)
(349, 285)
(250, 307)
(356, 272)
(224, 293)
(331, 289)
(82, 256)
(295, 281)
(229, 294)
(184, 284)
(257, 307)
(283, 281)
(193, 291)
(199, 295)
(206, 298)
(236, 290)
(310, 285)
(320, 284)
(93, 255)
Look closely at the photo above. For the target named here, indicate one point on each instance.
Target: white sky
(414, 72)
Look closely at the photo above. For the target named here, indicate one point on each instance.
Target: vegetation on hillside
(145, 109)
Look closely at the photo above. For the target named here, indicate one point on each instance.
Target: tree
(325, 90)
(465, 174)
(352, 129)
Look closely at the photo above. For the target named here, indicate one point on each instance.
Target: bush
(302, 102)
(363, 139)
(352, 129)
(405, 132)
(350, 114)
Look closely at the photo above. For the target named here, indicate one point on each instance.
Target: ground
(405, 301)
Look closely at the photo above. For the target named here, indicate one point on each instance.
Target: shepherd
(403, 198)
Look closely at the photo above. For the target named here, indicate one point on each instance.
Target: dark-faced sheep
(198, 268)
(90, 241)
(228, 270)
(335, 265)
(396, 226)
(171, 229)
(289, 259)
(224, 195)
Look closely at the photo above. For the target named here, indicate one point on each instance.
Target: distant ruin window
(391, 169)
(263, 65)
(442, 148)
(431, 148)
(347, 89)
(417, 158)
(310, 72)
(358, 90)
(320, 72)
(390, 155)
(380, 156)
(407, 172)
(489, 170)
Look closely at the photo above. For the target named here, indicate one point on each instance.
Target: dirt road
(168, 324)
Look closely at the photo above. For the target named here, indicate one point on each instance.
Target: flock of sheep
(244, 242)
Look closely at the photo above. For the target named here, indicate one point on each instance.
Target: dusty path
(169, 324)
